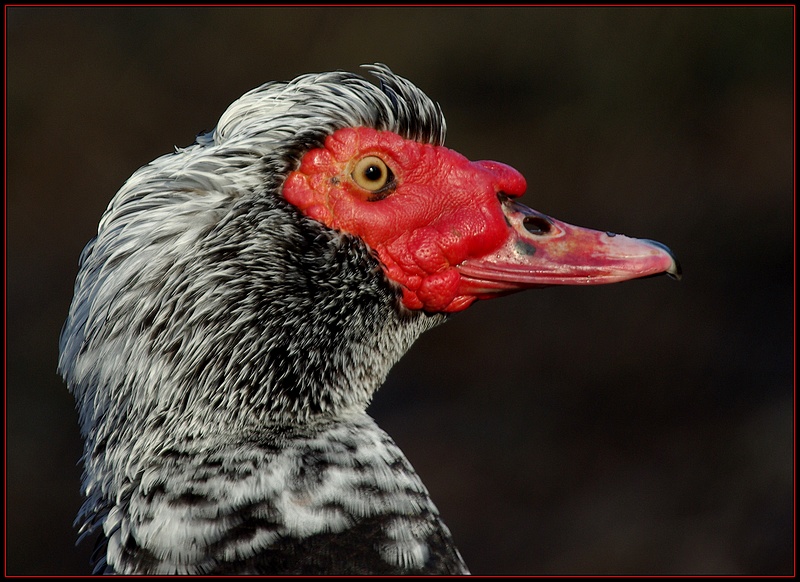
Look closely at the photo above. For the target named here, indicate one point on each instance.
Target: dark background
(645, 427)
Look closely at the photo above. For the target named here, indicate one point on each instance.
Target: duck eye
(372, 173)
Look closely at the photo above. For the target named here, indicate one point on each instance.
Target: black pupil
(373, 173)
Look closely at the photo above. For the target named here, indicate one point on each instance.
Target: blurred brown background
(636, 428)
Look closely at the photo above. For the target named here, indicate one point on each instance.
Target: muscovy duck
(246, 296)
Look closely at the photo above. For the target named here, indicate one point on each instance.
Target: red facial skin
(443, 234)
(443, 210)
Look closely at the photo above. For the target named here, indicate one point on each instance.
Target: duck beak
(541, 251)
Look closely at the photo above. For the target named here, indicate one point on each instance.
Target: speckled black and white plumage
(222, 349)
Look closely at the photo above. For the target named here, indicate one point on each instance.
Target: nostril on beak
(536, 225)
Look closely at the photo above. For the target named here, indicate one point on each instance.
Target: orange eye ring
(372, 174)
